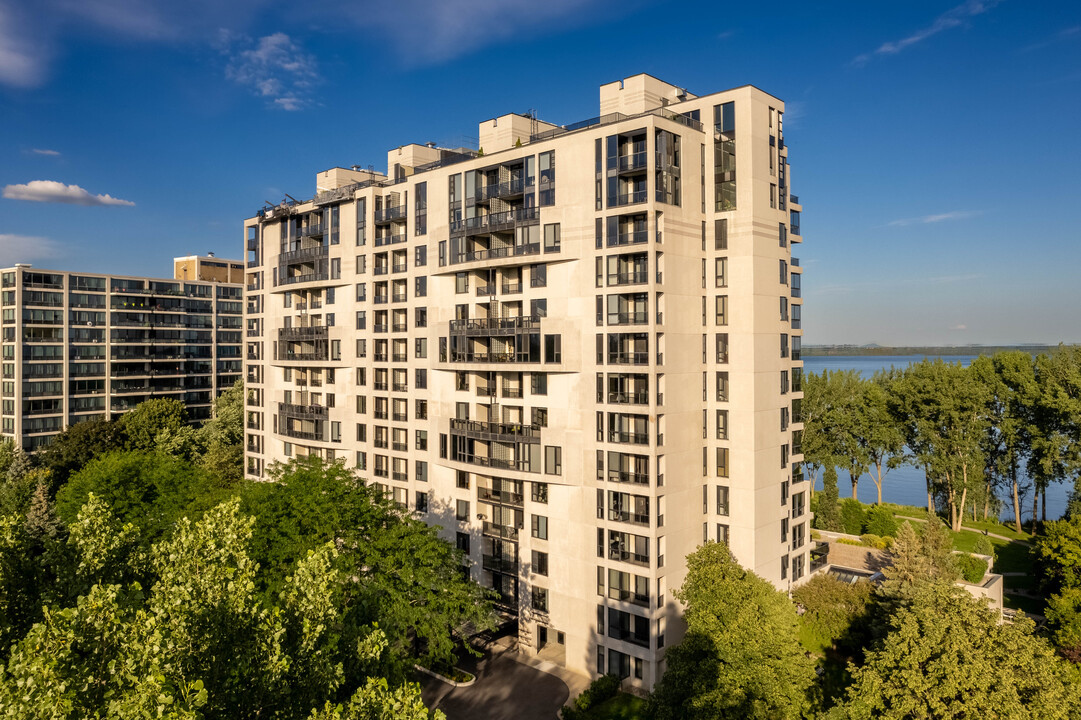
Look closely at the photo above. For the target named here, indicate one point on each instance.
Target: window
(421, 378)
(720, 235)
(721, 272)
(422, 501)
(553, 460)
(551, 238)
(538, 308)
(420, 286)
(784, 345)
(539, 492)
(422, 440)
(461, 283)
(540, 563)
(421, 409)
(722, 500)
(461, 541)
(722, 462)
(421, 317)
(722, 424)
(722, 310)
(420, 255)
(540, 417)
(722, 387)
(540, 599)
(538, 276)
(553, 348)
(783, 268)
(539, 527)
(538, 383)
(362, 321)
(461, 510)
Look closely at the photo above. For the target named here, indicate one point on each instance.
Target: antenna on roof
(290, 197)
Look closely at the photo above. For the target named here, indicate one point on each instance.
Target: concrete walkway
(509, 686)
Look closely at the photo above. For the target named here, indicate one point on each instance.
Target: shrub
(880, 521)
(874, 541)
(601, 689)
(852, 515)
(984, 546)
(848, 541)
(972, 568)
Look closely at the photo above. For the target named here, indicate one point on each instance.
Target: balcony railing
(299, 334)
(485, 290)
(628, 318)
(631, 198)
(314, 230)
(631, 438)
(499, 564)
(507, 189)
(624, 476)
(628, 358)
(625, 398)
(498, 496)
(628, 517)
(515, 287)
(304, 412)
(501, 531)
(496, 222)
(303, 254)
(629, 278)
(504, 432)
(628, 596)
(623, 555)
(636, 161)
(391, 239)
(392, 212)
(494, 326)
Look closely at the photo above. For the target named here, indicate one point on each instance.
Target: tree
(151, 490)
(882, 437)
(818, 450)
(408, 578)
(153, 418)
(202, 644)
(836, 611)
(741, 656)
(1064, 620)
(917, 559)
(847, 422)
(223, 436)
(1057, 551)
(76, 446)
(828, 516)
(1056, 420)
(948, 656)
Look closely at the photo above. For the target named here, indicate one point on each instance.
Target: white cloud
(22, 248)
(51, 191)
(276, 69)
(940, 217)
(50, 153)
(950, 19)
(23, 55)
(959, 327)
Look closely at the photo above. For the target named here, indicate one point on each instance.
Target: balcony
(629, 398)
(501, 190)
(302, 334)
(628, 278)
(319, 276)
(491, 431)
(496, 222)
(391, 213)
(629, 318)
(303, 412)
(628, 596)
(631, 198)
(628, 358)
(304, 255)
(624, 555)
(625, 476)
(628, 516)
(498, 496)
(633, 163)
(485, 290)
(508, 532)
(399, 267)
(505, 565)
(475, 327)
(509, 288)
(629, 438)
(391, 239)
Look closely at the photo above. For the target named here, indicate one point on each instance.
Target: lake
(907, 485)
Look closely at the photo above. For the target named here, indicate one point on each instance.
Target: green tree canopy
(948, 656)
(741, 656)
(151, 419)
(77, 445)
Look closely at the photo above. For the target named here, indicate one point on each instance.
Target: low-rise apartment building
(78, 346)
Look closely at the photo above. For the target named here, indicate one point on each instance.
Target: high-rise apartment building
(576, 350)
(79, 346)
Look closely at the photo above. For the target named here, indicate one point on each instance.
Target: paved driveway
(505, 690)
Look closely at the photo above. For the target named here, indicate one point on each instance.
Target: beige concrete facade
(80, 346)
(577, 353)
(208, 268)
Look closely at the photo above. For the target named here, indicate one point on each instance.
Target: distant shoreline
(874, 350)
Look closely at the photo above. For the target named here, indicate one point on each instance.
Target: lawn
(622, 707)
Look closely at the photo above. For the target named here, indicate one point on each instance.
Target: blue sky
(935, 146)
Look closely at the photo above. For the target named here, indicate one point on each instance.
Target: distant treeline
(858, 350)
